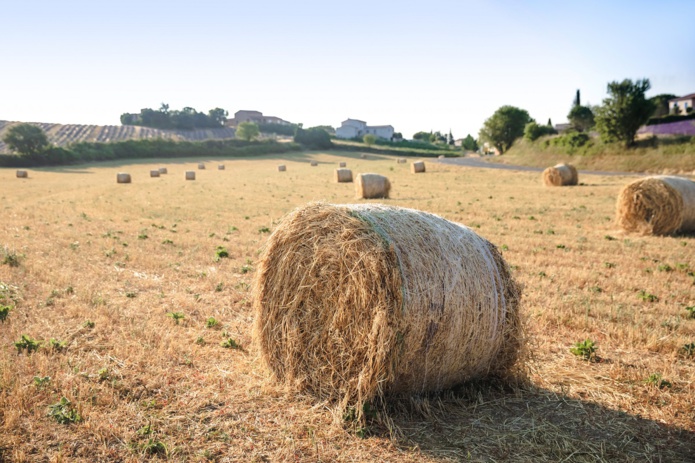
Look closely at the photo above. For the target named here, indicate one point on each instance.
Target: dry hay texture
(154, 173)
(282, 168)
(343, 175)
(657, 205)
(372, 186)
(163, 170)
(22, 174)
(560, 175)
(417, 167)
(123, 177)
(190, 175)
(354, 303)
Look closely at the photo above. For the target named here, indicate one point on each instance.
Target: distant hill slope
(64, 134)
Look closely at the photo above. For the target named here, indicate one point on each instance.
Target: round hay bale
(441, 156)
(190, 175)
(342, 164)
(417, 167)
(163, 170)
(220, 167)
(314, 163)
(22, 174)
(363, 156)
(201, 166)
(352, 305)
(560, 175)
(370, 186)
(657, 205)
(154, 173)
(343, 175)
(282, 168)
(123, 177)
(401, 161)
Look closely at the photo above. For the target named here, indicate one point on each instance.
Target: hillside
(64, 134)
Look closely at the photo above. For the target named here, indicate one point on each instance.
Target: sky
(436, 65)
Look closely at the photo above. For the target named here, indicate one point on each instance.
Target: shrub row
(670, 118)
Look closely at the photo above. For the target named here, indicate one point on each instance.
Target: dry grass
(76, 247)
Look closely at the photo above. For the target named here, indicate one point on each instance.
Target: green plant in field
(264, 230)
(230, 343)
(211, 322)
(691, 311)
(64, 412)
(656, 380)
(200, 341)
(167, 242)
(219, 287)
(176, 316)
(665, 268)
(104, 374)
(28, 344)
(647, 297)
(221, 252)
(41, 381)
(4, 312)
(57, 345)
(688, 349)
(88, 324)
(610, 238)
(10, 258)
(246, 269)
(154, 447)
(585, 349)
(609, 264)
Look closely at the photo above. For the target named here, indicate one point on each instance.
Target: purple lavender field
(673, 128)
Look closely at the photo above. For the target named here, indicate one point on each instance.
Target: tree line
(185, 119)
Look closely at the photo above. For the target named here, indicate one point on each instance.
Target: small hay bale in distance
(314, 163)
(342, 164)
(401, 161)
(363, 156)
(657, 205)
(201, 166)
(154, 173)
(123, 177)
(220, 167)
(343, 175)
(352, 305)
(372, 186)
(441, 156)
(560, 175)
(22, 174)
(282, 168)
(163, 170)
(417, 167)
(190, 175)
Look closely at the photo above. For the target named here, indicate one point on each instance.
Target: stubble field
(129, 291)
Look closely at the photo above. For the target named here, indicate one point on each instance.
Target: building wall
(347, 131)
(682, 104)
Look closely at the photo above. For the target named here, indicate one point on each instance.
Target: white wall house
(352, 128)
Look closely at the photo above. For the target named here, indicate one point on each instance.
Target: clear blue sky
(434, 65)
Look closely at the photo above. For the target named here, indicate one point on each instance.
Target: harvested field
(143, 307)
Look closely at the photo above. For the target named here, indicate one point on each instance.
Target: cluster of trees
(617, 119)
(434, 137)
(186, 119)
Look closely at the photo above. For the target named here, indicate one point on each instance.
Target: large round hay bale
(22, 174)
(154, 173)
(356, 302)
(370, 186)
(560, 175)
(314, 163)
(342, 164)
(343, 175)
(123, 177)
(282, 168)
(201, 166)
(190, 175)
(220, 167)
(163, 170)
(657, 205)
(417, 167)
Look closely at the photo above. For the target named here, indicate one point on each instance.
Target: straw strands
(22, 174)
(123, 177)
(370, 186)
(343, 175)
(190, 175)
(417, 167)
(357, 302)
(560, 175)
(657, 205)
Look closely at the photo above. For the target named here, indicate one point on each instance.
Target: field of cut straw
(126, 320)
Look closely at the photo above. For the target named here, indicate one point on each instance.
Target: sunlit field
(140, 296)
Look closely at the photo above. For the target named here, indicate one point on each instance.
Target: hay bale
(282, 168)
(343, 175)
(314, 163)
(417, 167)
(123, 177)
(163, 170)
(363, 156)
(369, 186)
(342, 164)
(560, 175)
(190, 175)
(201, 166)
(154, 173)
(22, 174)
(441, 156)
(657, 205)
(351, 305)
(220, 167)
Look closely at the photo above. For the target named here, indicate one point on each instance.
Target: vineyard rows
(64, 134)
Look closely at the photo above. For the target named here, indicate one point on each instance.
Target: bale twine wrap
(560, 175)
(282, 168)
(22, 174)
(201, 166)
(657, 205)
(123, 177)
(342, 164)
(370, 186)
(343, 175)
(154, 173)
(356, 302)
(417, 167)
(190, 175)
(314, 163)
(220, 167)
(163, 170)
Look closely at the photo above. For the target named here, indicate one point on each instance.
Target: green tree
(661, 104)
(247, 131)
(313, 138)
(369, 139)
(218, 115)
(624, 111)
(504, 126)
(424, 136)
(469, 143)
(533, 131)
(26, 139)
(581, 118)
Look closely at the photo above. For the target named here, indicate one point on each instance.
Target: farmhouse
(684, 104)
(353, 128)
(254, 116)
